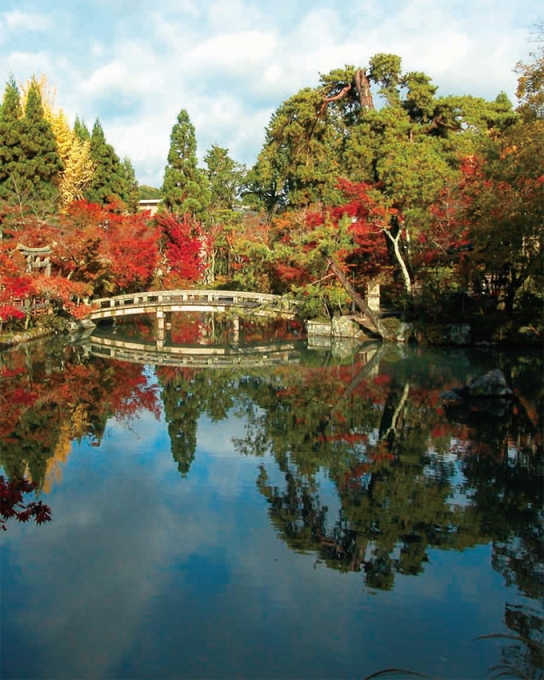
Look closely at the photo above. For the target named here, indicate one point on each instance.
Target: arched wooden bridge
(155, 302)
(163, 302)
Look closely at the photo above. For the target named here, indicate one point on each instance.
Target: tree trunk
(358, 300)
(400, 260)
(388, 425)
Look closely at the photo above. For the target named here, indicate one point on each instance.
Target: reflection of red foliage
(131, 392)
(186, 330)
(113, 389)
(277, 329)
(347, 437)
(382, 379)
(13, 505)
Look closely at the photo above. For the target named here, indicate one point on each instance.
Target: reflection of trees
(391, 512)
(397, 498)
(378, 441)
(503, 464)
(181, 412)
(523, 652)
(52, 394)
(188, 393)
(370, 434)
(508, 495)
(405, 478)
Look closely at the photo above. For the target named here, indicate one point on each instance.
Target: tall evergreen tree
(224, 177)
(10, 109)
(81, 130)
(43, 163)
(74, 152)
(109, 182)
(11, 152)
(132, 192)
(185, 186)
(298, 164)
(30, 160)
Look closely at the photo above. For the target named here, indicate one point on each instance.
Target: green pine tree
(225, 178)
(11, 152)
(42, 161)
(10, 109)
(29, 161)
(185, 187)
(81, 130)
(110, 183)
(132, 196)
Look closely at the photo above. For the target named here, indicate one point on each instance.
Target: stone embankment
(358, 327)
(70, 327)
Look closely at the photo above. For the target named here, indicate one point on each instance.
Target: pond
(269, 510)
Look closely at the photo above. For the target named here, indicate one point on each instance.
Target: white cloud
(23, 21)
(232, 52)
(25, 64)
(105, 79)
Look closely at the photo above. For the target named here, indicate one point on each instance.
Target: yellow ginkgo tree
(74, 152)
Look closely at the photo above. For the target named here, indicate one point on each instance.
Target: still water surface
(324, 516)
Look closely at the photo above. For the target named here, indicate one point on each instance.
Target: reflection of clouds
(99, 570)
(216, 438)
(217, 460)
(92, 582)
(145, 574)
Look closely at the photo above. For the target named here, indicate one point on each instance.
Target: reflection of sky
(449, 465)
(143, 574)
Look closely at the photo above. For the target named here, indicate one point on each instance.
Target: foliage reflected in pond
(372, 471)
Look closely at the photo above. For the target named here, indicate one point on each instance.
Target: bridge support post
(160, 329)
(236, 330)
(373, 296)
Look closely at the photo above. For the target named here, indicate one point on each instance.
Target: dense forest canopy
(372, 175)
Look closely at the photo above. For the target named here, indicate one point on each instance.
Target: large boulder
(458, 334)
(343, 327)
(491, 385)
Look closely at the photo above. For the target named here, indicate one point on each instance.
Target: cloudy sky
(136, 63)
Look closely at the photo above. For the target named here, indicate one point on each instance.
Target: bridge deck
(191, 300)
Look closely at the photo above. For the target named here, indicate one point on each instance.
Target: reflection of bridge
(196, 356)
(165, 301)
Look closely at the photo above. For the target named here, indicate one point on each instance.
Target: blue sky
(136, 63)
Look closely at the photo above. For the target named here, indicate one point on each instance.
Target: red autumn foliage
(100, 389)
(369, 218)
(14, 506)
(98, 251)
(185, 248)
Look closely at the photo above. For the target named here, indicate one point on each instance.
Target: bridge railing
(188, 297)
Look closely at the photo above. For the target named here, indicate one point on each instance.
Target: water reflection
(356, 461)
(53, 395)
